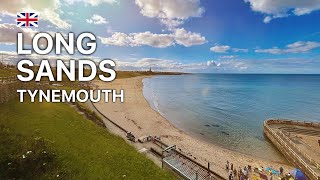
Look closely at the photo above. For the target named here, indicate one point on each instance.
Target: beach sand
(136, 115)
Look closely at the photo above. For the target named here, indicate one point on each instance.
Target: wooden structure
(289, 149)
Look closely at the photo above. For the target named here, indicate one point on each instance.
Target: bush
(23, 158)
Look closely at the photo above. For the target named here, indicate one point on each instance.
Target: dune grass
(65, 145)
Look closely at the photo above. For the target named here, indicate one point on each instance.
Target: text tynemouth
(72, 69)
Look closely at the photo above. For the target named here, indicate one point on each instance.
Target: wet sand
(136, 115)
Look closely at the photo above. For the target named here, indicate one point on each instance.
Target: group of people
(257, 173)
(240, 174)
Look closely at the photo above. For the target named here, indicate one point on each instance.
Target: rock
(223, 132)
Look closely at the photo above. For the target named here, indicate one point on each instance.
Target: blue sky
(243, 36)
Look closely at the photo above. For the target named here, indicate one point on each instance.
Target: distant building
(150, 70)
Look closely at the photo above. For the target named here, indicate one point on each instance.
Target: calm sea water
(229, 109)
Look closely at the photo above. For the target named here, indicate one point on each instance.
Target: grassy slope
(82, 149)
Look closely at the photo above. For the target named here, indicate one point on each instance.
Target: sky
(209, 36)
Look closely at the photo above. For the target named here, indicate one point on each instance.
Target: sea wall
(293, 122)
(289, 152)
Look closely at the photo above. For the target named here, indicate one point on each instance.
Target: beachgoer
(230, 171)
(271, 177)
(227, 166)
(281, 170)
(231, 167)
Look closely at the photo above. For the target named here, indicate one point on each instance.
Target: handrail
(195, 162)
(294, 122)
(295, 146)
(291, 151)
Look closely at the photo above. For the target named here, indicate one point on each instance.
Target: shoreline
(205, 140)
(137, 115)
(200, 137)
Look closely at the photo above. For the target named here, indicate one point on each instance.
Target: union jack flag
(27, 19)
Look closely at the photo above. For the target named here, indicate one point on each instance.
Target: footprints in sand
(172, 137)
(134, 122)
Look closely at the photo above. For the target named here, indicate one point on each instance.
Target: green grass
(8, 72)
(75, 147)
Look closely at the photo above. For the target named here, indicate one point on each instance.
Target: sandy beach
(136, 115)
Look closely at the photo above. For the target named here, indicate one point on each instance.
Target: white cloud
(187, 38)
(297, 47)
(267, 19)
(97, 19)
(48, 10)
(180, 36)
(174, 65)
(171, 23)
(92, 2)
(220, 49)
(159, 65)
(226, 49)
(139, 39)
(282, 8)
(227, 57)
(170, 12)
(118, 39)
(154, 40)
(212, 63)
(8, 34)
(240, 50)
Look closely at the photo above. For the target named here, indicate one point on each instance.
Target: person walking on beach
(227, 166)
(231, 176)
(281, 171)
(231, 167)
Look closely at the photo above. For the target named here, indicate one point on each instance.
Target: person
(241, 177)
(235, 172)
(281, 171)
(230, 171)
(245, 172)
(227, 166)
(230, 177)
(231, 167)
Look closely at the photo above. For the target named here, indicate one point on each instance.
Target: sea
(229, 109)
